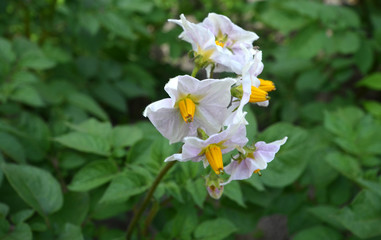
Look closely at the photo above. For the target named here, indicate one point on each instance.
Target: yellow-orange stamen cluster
(258, 95)
(220, 43)
(266, 85)
(187, 108)
(214, 156)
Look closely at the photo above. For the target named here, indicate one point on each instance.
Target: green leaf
(291, 160)
(20, 232)
(308, 42)
(36, 59)
(11, 147)
(197, 190)
(88, 104)
(373, 81)
(74, 209)
(255, 182)
(85, 143)
(35, 186)
(347, 42)
(364, 57)
(317, 233)
(344, 164)
(217, 229)
(89, 22)
(233, 191)
(22, 216)
(373, 108)
(126, 136)
(142, 6)
(363, 216)
(6, 52)
(4, 209)
(327, 214)
(116, 24)
(122, 187)
(109, 95)
(94, 127)
(71, 232)
(28, 95)
(252, 129)
(182, 224)
(173, 189)
(93, 175)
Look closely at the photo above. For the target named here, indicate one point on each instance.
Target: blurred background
(77, 156)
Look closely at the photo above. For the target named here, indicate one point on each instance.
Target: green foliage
(77, 157)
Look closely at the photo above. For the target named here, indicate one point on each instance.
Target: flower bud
(213, 185)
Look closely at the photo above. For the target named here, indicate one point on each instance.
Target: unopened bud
(213, 185)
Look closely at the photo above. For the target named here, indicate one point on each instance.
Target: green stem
(195, 71)
(147, 198)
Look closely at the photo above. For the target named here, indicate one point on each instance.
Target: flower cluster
(207, 115)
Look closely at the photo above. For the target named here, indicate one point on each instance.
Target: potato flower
(192, 104)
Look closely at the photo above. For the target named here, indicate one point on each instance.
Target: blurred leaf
(36, 187)
(122, 187)
(344, 164)
(291, 160)
(126, 136)
(6, 52)
(143, 6)
(4, 209)
(317, 233)
(71, 232)
(88, 104)
(89, 22)
(327, 214)
(28, 95)
(233, 191)
(110, 96)
(217, 229)
(74, 209)
(21, 231)
(197, 190)
(373, 108)
(93, 175)
(174, 190)
(363, 216)
(373, 81)
(36, 59)
(85, 143)
(22, 216)
(252, 129)
(308, 42)
(11, 147)
(95, 128)
(116, 24)
(183, 224)
(364, 57)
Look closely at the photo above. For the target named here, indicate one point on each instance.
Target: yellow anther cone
(187, 109)
(266, 85)
(214, 156)
(258, 95)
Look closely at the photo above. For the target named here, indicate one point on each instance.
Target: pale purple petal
(266, 151)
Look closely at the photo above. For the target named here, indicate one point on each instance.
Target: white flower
(192, 104)
(210, 150)
(255, 161)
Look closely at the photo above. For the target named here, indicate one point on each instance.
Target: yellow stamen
(258, 95)
(258, 171)
(220, 43)
(187, 109)
(214, 156)
(266, 85)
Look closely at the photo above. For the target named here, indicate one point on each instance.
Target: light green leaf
(36, 187)
(174, 190)
(88, 104)
(233, 191)
(36, 59)
(28, 95)
(6, 52)
(373, 108)
(143, 6)
(22, 216)
(71, 232)
(255, 182)
(217, 229)
(197, 190)
(11, 147)
(93, 175)
(326, 214)
(94, 127)
(317, 233)
(344, 164)
(373, 81)
(122, 187)
(126, 136)
(89, 22)
(85, 143)
(20, 232)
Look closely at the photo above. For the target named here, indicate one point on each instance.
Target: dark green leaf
(36, 187)
(217, 229)
(71, 232)
(197, 190)
(317, 233)
(11, 147)
(233, 191)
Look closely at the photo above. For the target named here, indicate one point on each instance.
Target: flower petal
(266, 151)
